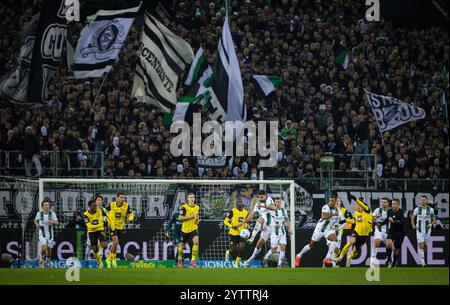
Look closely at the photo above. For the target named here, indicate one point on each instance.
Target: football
(245, 234)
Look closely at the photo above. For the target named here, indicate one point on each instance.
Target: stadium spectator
(319, 104)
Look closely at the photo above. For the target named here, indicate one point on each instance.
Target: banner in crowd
(48, 50)
(390, 112)
(101, 41)
(163, 57)
(14, 87)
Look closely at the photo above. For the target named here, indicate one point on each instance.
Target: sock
(373, 255)
(331, 248)
(255, 231)
(255, 253)
(238, 259)
(97, 257)
(281, 257)
(304, 250)
(422, 256)
(194, 252)
(114, 257)
(267, 254)
(345, 250)
(389, 254)
(180, 252)
(351, 255)
(394, 263)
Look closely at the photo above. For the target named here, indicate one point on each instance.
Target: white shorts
(422, 237)
(46, 242)
(265, 233)
(276, 240)
(380, 236)
(318, 234)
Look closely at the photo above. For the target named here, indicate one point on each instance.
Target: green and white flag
(343, 59)
(267, 83)
(197, 69)
(194, 100)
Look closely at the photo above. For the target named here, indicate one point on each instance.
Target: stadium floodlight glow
(215, 197)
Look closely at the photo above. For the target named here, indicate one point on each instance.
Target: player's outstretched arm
(361, 204)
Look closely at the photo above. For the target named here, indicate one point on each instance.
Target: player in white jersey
(422, 221)
(339, 228)
(381, 227)
(325, 228)
(278, 223)
(262, 208)
(45, 220)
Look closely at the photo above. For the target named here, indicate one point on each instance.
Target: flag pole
(98, 92)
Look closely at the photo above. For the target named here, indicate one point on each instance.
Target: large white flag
(227, 89)
(101, 40)
(163, 57)
(390, 112)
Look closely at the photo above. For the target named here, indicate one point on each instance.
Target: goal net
(153, 203)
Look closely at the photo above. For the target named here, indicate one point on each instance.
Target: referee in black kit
(396, 232)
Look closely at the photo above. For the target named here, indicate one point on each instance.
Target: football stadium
(224, 142)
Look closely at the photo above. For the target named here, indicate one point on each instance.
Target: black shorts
(397, 238)
(235, 240)
(186, 236)
(95, 237)
(117, 233)
(360, 240)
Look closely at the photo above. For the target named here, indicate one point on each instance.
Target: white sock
(374, 254)
(422, 256)
(255, 253)
(304, 250)
(255, 231)
(267, 254)
(331, 248)
(281, 257)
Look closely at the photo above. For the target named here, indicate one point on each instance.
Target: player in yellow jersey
(363, 227)
(121, 214)
(94, 219)
(235, 221)
(189, 215)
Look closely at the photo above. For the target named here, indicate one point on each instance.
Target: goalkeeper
(235, 221)
(175, 226)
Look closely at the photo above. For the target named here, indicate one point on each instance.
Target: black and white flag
(101, 41)
(390, 112)
(14, 86)
(48, 50)
(227, 96)
(163, 56)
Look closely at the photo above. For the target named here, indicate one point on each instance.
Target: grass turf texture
(272, 276)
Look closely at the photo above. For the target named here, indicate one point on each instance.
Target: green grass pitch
(253, 276)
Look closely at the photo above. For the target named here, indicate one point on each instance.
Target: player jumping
(363, 227)
(422, 221)
(189, 215)
(45, 220)
(120, 213)
(235, 221)
(325, 228)
(262, 209)
(279, 222)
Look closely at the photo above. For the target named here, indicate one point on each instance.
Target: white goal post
(91, 186)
